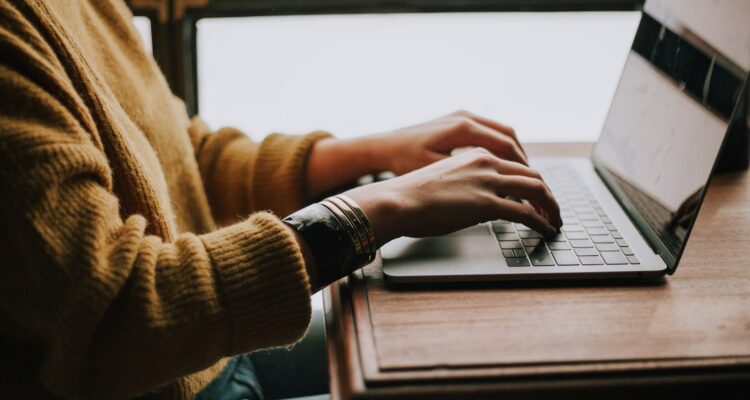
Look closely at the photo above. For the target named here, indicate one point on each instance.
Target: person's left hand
(334, 162)
(407, 149)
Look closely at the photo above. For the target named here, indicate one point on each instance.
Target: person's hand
(335, 162)
(455, 193)
(407, 149)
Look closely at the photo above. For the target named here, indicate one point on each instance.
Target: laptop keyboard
(588, 236)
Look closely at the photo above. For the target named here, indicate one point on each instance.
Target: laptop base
(477, 253)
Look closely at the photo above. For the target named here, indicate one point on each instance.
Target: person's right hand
(456, 193)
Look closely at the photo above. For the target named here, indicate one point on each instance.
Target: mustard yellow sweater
(114, 278)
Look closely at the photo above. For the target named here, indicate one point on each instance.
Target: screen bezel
(635, 216)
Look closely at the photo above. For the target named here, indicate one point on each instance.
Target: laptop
(628, 209)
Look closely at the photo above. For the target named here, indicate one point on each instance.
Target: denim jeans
(284, 373)
(238, 381)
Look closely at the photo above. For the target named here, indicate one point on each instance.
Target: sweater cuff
(282, 167)
(265, 286)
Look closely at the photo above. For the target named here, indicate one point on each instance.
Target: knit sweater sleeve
(116, 311)
(241, 176)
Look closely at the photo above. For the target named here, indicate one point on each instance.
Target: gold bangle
(365, 222)
(358, 225)
(348, 226)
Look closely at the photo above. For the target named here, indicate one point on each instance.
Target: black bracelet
(331, 246)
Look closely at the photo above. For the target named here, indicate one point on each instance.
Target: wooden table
(556, 340)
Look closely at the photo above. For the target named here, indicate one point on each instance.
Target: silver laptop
(628, 210)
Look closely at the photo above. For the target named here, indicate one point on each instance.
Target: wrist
(339, 237)
(382, 209)
(376, 150)
(366, 154)
(336, 162)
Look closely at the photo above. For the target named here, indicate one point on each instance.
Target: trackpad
(474, 242)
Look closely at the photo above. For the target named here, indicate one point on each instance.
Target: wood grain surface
(450, 340)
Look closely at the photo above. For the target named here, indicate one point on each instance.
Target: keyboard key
(589, 216)
(576, 235)
(581, 209)
(602, 239)
(621, 242)
(606, 247)
(540, 257)
(520, 227)
(587, 251)
(509, 253)
(532, 242)
(633, 260)
(517, 262)
(565, 257)
(610, 227)
(506, 236)
(614, 258)
(572, 228)
(597, 231)
(581, 243)
(558, 246)
(529, 234)
(627, 251)
(510, 244)
(520, 252)
(591, 260)
(606, 220)
(616, 234)
(591, 224)
(501, 227)
(569, 220)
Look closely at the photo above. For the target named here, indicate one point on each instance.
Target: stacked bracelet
(356, 224)
(339, 237)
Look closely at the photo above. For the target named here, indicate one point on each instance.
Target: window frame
(157, 13)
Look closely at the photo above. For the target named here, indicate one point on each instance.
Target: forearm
(336, 162)
(335, 238)
(234, 167)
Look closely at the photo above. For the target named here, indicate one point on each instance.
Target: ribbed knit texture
(115, 280)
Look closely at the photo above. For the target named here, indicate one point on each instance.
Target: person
(142, 250)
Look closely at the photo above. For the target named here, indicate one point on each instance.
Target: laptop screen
(663, 133)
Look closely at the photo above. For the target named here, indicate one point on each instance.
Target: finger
(500, 127)
(538, 208)
(506, 167)
(512, 168)
(534, 191)
(433, 157)
(498, 144)
(524, 214)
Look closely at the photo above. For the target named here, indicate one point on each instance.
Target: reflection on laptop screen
(664, 131)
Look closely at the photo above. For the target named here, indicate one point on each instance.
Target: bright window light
(550, 75)
(143, 26)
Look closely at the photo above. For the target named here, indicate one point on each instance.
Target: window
(550, 75)
(143, 26)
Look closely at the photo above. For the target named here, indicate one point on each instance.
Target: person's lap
(278, 373)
